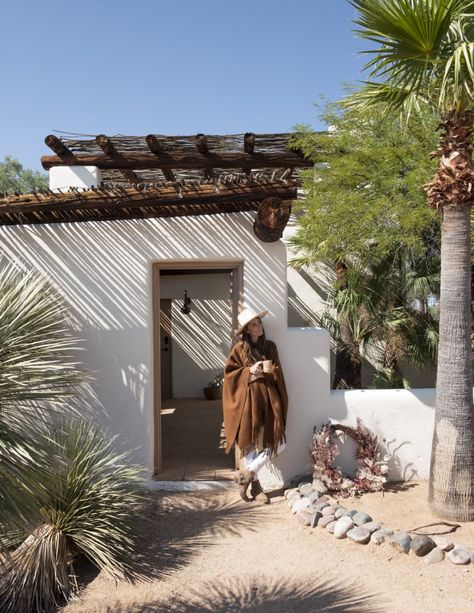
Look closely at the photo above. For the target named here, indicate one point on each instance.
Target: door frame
(236, 266)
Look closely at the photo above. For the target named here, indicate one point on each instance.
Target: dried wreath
(370, 476)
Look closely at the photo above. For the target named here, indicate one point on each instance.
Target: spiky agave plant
(38, 376)
(86, 508)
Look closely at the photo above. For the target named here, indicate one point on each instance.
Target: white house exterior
(105, 272)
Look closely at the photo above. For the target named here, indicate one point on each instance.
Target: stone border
(312, 507)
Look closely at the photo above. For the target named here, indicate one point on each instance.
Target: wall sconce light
(186, 308)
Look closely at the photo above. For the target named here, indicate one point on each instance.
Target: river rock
(443, 543)
(434, 556)
(300, 504)
(328, 510)
(459, 555)
(372, 526)
(324, 521)
(340, 512)
(331, 525)
(291, 490)
(342, 527)
(359, 535)
(320, 505)
(361, 518)
(315, 495)
(421, 545)
(316, 518)
(380, 536)
(305, 488)
(305, 517)
(350, 513)
(319, 485)
(401, 541)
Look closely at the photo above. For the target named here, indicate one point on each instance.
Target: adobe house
(131, 230)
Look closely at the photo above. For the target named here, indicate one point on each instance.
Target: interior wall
(201, 340)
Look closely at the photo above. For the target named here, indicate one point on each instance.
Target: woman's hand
(256, 371)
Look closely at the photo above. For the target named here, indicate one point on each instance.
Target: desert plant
(85, 508)
(38, 376)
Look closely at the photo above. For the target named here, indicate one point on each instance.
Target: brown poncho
(250, 406)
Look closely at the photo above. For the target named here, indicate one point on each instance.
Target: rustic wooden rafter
(155, 147)
(108, 148)
(59, 148)
(203, 147)
(191, 160)
(249, 142)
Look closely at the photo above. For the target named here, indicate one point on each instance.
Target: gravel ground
(208, 551)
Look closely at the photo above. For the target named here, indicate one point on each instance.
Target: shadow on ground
(263, 595)
(174, 528)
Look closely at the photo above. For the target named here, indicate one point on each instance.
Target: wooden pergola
(164, 176)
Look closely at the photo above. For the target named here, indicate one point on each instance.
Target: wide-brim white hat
(246, 316)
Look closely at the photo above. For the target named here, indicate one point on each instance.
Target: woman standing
(254, 401)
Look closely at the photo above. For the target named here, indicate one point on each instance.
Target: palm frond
(423, 49)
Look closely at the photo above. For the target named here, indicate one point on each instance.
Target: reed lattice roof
(161, 199)
(164, 176)
(135, 159)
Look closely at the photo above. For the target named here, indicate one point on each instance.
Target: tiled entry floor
(193, 441)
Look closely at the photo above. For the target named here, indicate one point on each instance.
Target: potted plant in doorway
(214, 387)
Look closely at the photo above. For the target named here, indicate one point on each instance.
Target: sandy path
(210, 552)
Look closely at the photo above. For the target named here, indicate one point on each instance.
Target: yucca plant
(86, 508)
(38, 377)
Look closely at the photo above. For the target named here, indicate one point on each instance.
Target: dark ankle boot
(257, 493)
(243, 479)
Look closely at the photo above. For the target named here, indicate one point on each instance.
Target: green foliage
(424, 54)
(86, 508)
(13, 177)
(63, 488)
(218, 380)
(38, 376)
(383, 313)
(365, 196)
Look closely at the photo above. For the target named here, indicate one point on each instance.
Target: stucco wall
(104, 270)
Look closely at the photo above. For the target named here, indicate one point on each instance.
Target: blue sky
(168, 66)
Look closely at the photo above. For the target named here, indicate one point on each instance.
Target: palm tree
(424, 55)
(381, 310)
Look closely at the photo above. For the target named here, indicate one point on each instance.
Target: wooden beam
(249, 142)
(133, 199)
(59, 148)
(272, 217)
(155, 147)
(191, 160)
(249, 146)
(108, 148)
(203, 147)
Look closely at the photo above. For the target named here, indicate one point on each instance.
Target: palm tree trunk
(451, 492)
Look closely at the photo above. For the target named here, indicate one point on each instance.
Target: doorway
(195, 307)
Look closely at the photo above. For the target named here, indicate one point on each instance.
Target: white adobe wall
(104, 270)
